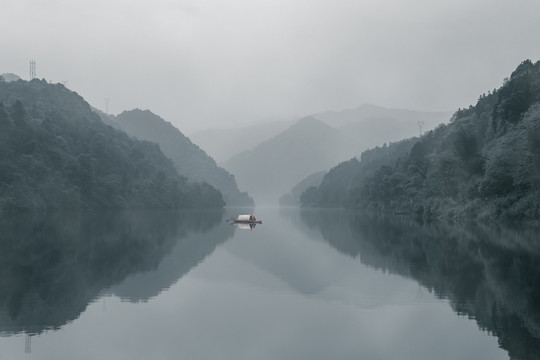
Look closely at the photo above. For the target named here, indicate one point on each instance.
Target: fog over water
(212, 63)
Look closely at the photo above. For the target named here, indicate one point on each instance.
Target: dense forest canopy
(56, 153)
(484, 164)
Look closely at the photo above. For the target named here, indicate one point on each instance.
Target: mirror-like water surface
(306, 284)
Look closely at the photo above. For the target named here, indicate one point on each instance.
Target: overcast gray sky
(217, 63)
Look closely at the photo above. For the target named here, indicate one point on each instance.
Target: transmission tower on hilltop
(420, 125)
(32, 69)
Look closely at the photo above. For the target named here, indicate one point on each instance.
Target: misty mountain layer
(485, 163)
(309, 146)
(372, 125)
(271, 168)
(188, 158)
(369, 112)
(221, 144)
(56, 153)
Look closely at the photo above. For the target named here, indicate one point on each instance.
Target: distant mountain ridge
(189, 160)
(271, 168)
(373, 125)
(351, 131)
(221, 144)
(369, 112)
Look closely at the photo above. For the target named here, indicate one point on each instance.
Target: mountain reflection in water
(489, 273)
(309, 284)
(53, 265)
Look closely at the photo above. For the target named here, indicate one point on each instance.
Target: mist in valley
(233, 75)
(392, 135)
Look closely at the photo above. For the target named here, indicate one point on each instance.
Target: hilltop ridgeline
(56, 153)
(221, 144)
(189, 160)
(484, 164)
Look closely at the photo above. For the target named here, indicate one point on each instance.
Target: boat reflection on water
(249, 227)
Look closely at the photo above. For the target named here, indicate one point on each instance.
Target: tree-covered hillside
(188, 158)
(485, 163)
(56, 153)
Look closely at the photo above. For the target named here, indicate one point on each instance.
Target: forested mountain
(221, 144)
(485, 163)
(273, 167)
(334, 190)
(56, 153)
(369, 126)
(188, 158)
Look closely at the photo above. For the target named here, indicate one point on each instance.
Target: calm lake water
(306, 284)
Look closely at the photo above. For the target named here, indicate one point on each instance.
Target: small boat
(244, 219)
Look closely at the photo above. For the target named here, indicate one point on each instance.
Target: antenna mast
(420, 125)
(32, 69)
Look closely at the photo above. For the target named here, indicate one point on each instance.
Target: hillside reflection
(53, 265)
(488, 273)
